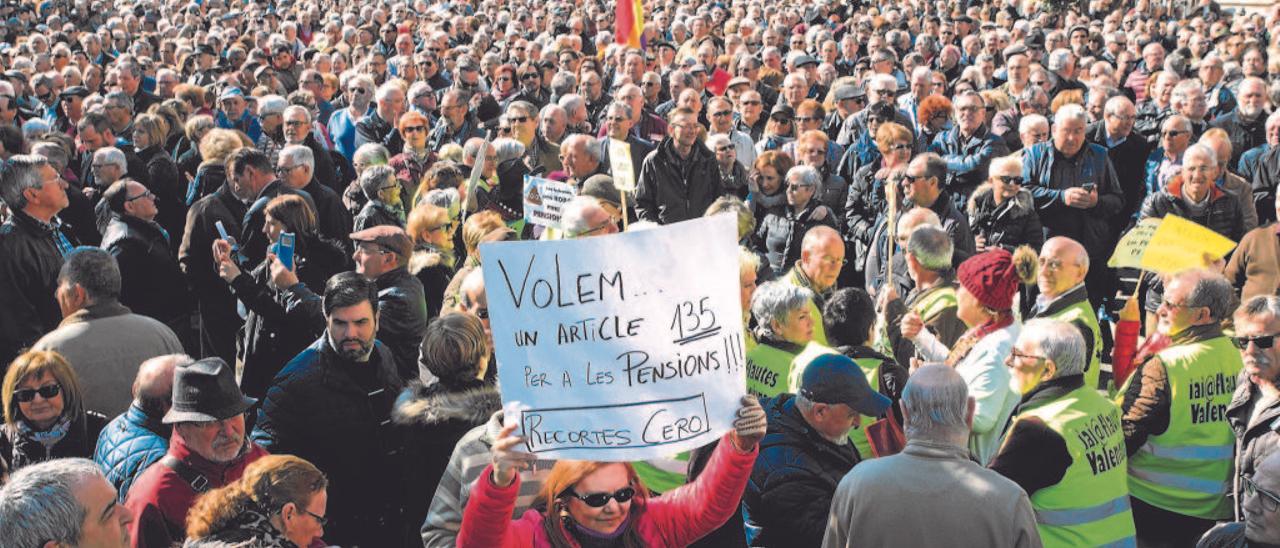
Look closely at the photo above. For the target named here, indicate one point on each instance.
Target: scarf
(971, 338)
(47, 438)
(259, 525)
(591, 539)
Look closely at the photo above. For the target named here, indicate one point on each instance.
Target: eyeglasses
(807, 119)
(1270, 501)
(1173, 133)
(284, 170)
(518, 119)
(1011, 179)
(1172, 304)
(1019, 355)
(529, 76)
(504, 130)
(323, 521)
(908, 178)
(295, 123)
(797, 187)
(48, 392)
(1263, 342)
(147, 194)
(721, 113)
(415, 129)
(599, 500)
(900, 147)
(357, 91)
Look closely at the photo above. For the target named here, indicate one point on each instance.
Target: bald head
(1063, 266)
(917, 217)
(153, 387)
(821, 256)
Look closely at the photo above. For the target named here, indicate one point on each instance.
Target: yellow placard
(1169, 245)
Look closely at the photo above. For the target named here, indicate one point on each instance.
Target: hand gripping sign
(620, 347)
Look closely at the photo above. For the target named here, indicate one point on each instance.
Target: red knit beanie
(992, 277)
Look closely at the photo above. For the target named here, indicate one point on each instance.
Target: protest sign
(624, 176)
(1169, 245)
(544, 200)
(620, 347)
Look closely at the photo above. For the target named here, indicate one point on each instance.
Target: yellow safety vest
(1090, 506)
(1083, 312)
(870, 368)
(819, 332)
(1187, 469)
(768, 368)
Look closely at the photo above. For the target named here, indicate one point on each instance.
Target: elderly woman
(778, 131)
(455, 393)
(149, 134)
(780, 233)
(867, 201)
(587, 503)
(382, 195)
(748, 264)
(431, 229)
(766, 182)
(215, 147)
(784, 326)
(280, 324)
(412, 163)
(733, 177)
(280, 501)
(934, 114)
(367, 156)
(187, 152)
(44, 415)
(984, 302)
(1001, 212)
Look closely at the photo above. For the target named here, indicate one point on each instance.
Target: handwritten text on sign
(620, 347)
(544, 200)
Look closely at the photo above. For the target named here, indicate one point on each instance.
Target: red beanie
(992, 277)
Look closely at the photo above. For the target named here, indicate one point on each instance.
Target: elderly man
(382, 254)
(379, 125)
(342, 123)
(208, 450)
(821, 258)
(1247, 123)
(1076, 193)
(553, 123)
(1255, 406)
(540, 155)
(296, 169)
(1032, 129)
(931, 304)
(118, 107)
(1247, 166)
(967, 148)
(1166, 160)
(1006, 123)
(383, 204)
(582, 156)
(1254, 266)
(298, 130)
(152, 283)
(63, 502)
(1126, 152)
(1261, 510)
(1176, 429)
(1156, 107)
(138, 438)
(1220, 144)
(129, 79)
(720, 117)
(1063, 296)
(618, 120)
(31, 251)
(253, 179)
(343, 387)
(895, 500)
(234, 114)
(793, 480)
(645, 124)
(1064, 446)
(881, 89)
(583, 216)
(680, 179)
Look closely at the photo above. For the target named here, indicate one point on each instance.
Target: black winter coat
(377, 214)
(168, 185)
(432, 419)
(1129, 159)
(29, 264)
(332, 218)
(1244, 135)
(782, 231)
(671, 189)
(402, 311)
(151, 282)
(865, 204)
(794, 478)
(336, 414)
(17, 451)
(1007, 225)
(428, 265)
(217, 308)
(282, 322)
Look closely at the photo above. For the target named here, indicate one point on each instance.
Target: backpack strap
(196, 480)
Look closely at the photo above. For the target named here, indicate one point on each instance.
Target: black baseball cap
(834, 379)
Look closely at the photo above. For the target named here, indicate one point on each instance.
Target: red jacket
(160, 499)
(677, 518)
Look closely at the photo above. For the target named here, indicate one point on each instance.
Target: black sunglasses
(1011, 180)
(1270, 501)
(598, 500)
(1263, 342)
(47, 392)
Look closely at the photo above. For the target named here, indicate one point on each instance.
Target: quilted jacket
(128, 445)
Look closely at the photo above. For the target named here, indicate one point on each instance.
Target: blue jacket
(128, 445)
(1059, 219)
(247, 123)
(967, 158)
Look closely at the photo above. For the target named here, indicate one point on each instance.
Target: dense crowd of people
(242, 302)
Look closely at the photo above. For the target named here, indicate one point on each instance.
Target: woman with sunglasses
(867, 203)
(44, 415)
(279, 502)
(588, 503)
(431, 228)
(1001, 211)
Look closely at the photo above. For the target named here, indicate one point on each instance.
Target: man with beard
(208, 450)
(331, 405)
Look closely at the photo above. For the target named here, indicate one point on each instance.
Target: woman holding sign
(605, 503)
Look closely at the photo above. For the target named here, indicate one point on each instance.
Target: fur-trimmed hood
(424, 258)
(983, 201)
(434, 404)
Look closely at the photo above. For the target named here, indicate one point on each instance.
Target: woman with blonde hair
(431, 230)
(280, 502)
(44, 415)
(215, 147)
(150, 135)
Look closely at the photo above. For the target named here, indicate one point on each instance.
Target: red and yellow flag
(630, 23)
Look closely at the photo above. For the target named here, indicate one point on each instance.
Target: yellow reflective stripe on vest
(1189, 452)
(1186, 483)
(934, 303)
(1080, 516)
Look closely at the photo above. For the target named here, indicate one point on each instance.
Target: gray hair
(715, 140)
(932, 248)
(1202, 150)
(1211, 290)
(563, 84)
(52, 151)
(1030, 121)
(19, 173)
(373, 179)
(1185, 88)
(39, 503)
(622, 106)
(936, 400)
(297, 108)
(573, 217)
(1059, 58)
(1059, 341)
(1259, 307)
(93, 269)
(112, 155)
(271, 104)
(590, 144)
(773, 301)
(524, 107)
(299, 155)
(508, 149)
(571, 102)
(372, 153)
(120, 98)
(385, 90)
(805, 175)
(1071, 111)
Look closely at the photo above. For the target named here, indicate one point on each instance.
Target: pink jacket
(676, 518)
